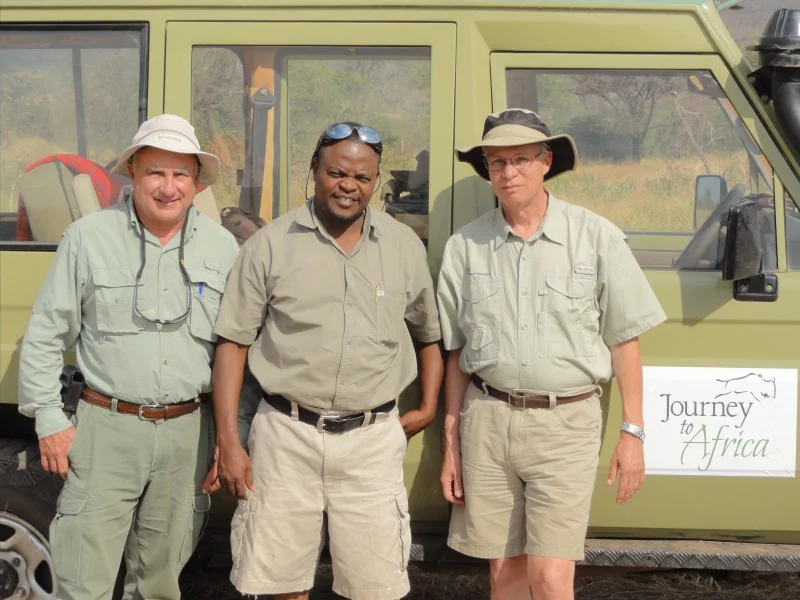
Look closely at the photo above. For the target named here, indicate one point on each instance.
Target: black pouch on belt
(72, 384)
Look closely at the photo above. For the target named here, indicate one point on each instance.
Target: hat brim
(565, 154)
(209, 164)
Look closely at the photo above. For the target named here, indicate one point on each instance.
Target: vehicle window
(261, 109)
(792, 231)
(70, 102)
(662, 154)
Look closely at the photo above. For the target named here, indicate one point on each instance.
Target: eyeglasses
(341, 131)
(521, 162)
(186, 280)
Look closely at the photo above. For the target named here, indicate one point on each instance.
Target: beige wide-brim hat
(173, 134)
(519, 127)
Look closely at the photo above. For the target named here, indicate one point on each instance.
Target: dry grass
(469, 582)
(654, 195)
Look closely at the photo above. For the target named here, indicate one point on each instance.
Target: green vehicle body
(466, 50)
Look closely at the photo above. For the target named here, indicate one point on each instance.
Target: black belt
(324, 423)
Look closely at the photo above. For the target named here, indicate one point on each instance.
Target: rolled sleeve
(244, 302)
(628, 303)
(421, 314)
(448, 294)
(53, 329)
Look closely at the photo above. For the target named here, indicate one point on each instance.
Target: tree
(633, 100)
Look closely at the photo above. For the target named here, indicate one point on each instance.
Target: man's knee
(507, 572)
(551, 577)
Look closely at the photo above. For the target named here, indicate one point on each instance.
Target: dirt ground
(453, 582)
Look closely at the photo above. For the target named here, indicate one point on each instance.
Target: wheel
(27, 505)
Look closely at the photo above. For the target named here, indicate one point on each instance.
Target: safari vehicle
(684, 145)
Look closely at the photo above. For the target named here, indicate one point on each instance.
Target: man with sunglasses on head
(135, 289)
(541, 301)
(324, 302)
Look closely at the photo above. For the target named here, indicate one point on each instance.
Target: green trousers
(134, 488)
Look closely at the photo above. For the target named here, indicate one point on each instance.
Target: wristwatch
(633, 429)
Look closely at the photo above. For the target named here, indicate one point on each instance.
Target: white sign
(720, 421)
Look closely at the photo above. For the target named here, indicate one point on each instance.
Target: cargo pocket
(207, 285)
(201, 503)
(66, 534)
(565, 328)
(238, 526)
(403, 528)
(113, 296)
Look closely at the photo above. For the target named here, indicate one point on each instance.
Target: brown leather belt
(146, 412)
(519, 399)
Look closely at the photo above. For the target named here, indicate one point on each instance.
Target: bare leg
(551, 578)
(292, 596)
(509, 579)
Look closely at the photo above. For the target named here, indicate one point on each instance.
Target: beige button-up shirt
(87, 301)
(540, 314)
(327, 330)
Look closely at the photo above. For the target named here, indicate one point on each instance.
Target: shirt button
(349, 342)
(166, 361)
(349, 303)
(524, 292)
(164, 289)
(524, 328)
(524, 363)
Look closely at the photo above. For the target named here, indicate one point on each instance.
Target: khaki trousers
(134, 487)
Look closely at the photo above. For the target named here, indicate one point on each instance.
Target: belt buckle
(519, 394)
(333, 424)
(141, 408)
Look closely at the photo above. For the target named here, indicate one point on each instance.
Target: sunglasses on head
(341, 131)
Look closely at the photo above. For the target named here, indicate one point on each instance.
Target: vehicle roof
(563, 4)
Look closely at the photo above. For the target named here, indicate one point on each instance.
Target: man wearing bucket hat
(323, 304)
(540, 302)
(135, 289)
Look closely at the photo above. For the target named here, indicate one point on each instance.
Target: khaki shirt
(540, 314)
(87, 301)
(331, 331)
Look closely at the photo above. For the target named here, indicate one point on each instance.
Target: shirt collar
(553, 226)
(306, 217)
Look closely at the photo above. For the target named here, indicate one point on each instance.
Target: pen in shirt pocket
(378, 292)
(200, 288)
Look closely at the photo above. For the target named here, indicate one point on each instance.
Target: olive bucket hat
(518, 127)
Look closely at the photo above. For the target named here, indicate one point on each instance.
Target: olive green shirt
(327, 330)
(541, 314)
(87, 301)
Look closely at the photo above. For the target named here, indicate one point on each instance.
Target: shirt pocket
(113, 297)
(389, 316)
(207, 285)
(569, 324)
(481, 322)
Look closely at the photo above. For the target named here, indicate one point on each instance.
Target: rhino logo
(752, 383)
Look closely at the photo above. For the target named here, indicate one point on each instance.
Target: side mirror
(709, 190)
(743, 249)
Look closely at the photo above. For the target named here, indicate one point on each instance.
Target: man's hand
(234, 469)
(54, 449)
(415, 421)
(452, 486)
(211, 482)
(627, 461)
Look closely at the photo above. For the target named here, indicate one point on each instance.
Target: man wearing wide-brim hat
(135, 290)
(540, 302)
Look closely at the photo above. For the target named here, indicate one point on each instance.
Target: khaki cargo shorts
(299, 474)
(528, 478)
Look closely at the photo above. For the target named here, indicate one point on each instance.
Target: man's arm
(431, 370)
(628, 457)
(234, 468)
(53, 328)
(455, 387)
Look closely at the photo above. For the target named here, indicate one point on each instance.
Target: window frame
(502, 61)
(141, 27)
